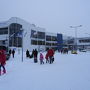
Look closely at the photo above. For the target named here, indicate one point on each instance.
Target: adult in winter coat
(13, 52)
(41, 58)
(46, 57)
(10, 52)
(2, 61)
(51, 55)
(35, 53)
(27, 53)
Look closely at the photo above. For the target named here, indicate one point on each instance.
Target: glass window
(4, 30)
(33, 34)
(48, 44)
(48, 38)
(33, 42)
(41, 35)
(54, 38)
(41, 42)
(84, 41)
(37, 34)
(14, 28)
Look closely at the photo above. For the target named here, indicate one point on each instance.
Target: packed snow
(68, 72)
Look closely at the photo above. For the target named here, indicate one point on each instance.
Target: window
(48, 38)
(85, 41)
(41, 42)
(33, 42)
(54, 38)
(41, 35)
(14, 40)
(4, 30)
(48, 44)
(37, 34)
(33, 34)
(14, 27)
(54, 44)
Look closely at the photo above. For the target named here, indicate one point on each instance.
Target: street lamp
(75, 28)
(22, 42)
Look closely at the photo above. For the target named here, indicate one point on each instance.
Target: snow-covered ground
(68, 72)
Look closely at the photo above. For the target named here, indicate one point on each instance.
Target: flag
(18, 34)
(25, 34)
(33, 33)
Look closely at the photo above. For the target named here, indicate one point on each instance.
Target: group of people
(12, 52)
(64, 51)
(33, 55)
(49, 56)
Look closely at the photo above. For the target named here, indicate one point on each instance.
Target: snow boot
(4, 71)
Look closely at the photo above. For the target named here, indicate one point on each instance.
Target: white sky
(54, 15)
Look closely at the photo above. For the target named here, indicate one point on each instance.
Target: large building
(33, 37)
(80, 43)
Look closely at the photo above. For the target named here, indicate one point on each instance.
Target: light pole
(75, 28)
(22, 42)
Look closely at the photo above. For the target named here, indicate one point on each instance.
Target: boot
(4, 71)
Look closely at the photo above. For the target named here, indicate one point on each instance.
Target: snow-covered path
(68, 72)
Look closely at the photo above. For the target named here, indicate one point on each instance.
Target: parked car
(6, 51)
(83, 50)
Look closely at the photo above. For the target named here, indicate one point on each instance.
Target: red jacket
(50, 52)
(46, 56)
(2, 57)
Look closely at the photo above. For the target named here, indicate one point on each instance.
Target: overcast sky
(53, 15)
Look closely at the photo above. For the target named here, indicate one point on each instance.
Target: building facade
(82, 43)
(16, 32)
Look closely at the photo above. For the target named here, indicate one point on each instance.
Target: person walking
(27, 53)
(41, 58)
(35, 53)
(10, 52)
(46, 57)
(13, 53)
(51, 55)
(2, 61)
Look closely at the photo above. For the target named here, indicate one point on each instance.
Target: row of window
(14, 28)
(4, 30)
(85, 41)
(51, 38)
(37, 34)
(51, 44)
(41, 35)
(34, 42)
(15, 41)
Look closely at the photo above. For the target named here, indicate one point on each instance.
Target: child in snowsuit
(2, 61)
(41, 58)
